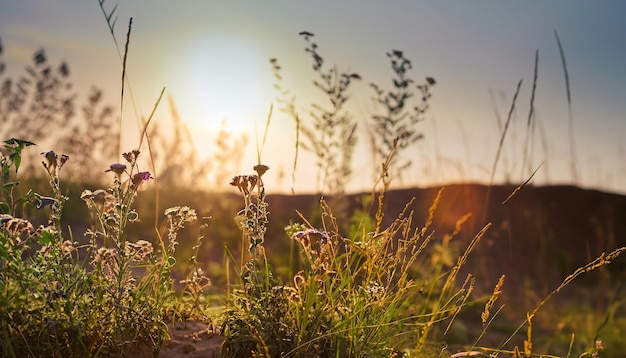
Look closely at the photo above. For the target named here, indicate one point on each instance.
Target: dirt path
(191, 340)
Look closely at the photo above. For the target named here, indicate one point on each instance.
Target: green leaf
(10, 185)
(171, 261)
(17, 160)
(21, 143)
(26, 198)
(4, 207)
(46, 238)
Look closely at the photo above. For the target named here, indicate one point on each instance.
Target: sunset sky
(213, 59)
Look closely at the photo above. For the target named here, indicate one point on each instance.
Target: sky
(212, 57)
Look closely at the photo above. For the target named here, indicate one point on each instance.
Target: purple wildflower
(117, 168)
(141, 177)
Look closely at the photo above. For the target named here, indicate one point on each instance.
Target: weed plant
(397, 119)
(330, 134)
(107, 298)
(42, 105)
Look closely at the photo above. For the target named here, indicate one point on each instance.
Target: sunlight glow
(225, 80)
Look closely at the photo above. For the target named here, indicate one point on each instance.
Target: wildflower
(67, 247)
(51, 160)
(64, 159)
(183, 213)
(139, 178)
(374, 290)
(139, 250)
(43, 201)
(197, 281)
(261, 169)
(245, 183)
(304, 237)
(252, 180)
(16, 226)
(110, 202)
(172, 211)
(116, 168)
(131, 156)
(87, 195)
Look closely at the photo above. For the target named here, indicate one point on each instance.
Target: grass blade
(267, 126)
(572, 144)
(530, 124)
(495, 162)
(130, 26)
(523, 185)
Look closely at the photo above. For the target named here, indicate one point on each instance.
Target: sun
(224, 78)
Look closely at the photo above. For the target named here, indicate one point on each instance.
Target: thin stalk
(295, 157)
(152, 162)
(495, 162)
(130, 26)
(572, 142)
(259, 150)
(531, 115)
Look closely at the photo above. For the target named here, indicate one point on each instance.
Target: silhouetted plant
(330, 135)
(399, 114)
(41, 105)
(37, 102)
(92, 138)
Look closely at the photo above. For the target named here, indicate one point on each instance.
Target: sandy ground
(191, 339)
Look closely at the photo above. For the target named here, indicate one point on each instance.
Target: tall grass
(358, 296)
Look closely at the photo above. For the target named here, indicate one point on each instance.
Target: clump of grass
(372, 294)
